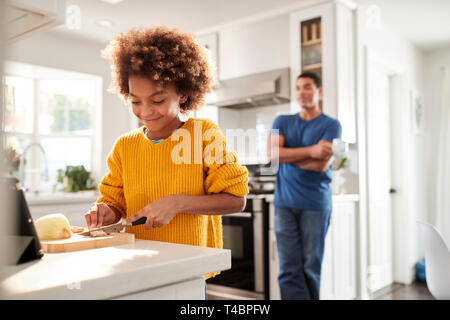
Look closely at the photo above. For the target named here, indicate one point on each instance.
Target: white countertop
(353, 197)
(61, 197)
(110, 272)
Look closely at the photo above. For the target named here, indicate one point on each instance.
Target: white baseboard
(406, 278)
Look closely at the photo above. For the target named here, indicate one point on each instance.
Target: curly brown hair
(164, 55)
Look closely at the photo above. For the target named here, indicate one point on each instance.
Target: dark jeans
(300, 242)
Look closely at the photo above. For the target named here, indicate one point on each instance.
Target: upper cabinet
(29, 17)
(322, 41)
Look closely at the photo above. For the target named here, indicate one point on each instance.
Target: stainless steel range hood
(256, 90)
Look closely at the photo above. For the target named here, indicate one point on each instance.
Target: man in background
(303, 197)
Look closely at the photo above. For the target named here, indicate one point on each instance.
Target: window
(49, 123)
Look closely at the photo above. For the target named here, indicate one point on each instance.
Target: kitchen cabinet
(252, 46)
(339, 274)
(322, 41)
(27, 18)
(339, 261)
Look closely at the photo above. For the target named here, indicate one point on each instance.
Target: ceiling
(423, 22)
(188, 15)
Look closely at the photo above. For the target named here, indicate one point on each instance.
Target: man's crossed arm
(316, 158)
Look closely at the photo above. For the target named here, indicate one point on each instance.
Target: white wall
(56, 51)
(433, 87)
(409, 173)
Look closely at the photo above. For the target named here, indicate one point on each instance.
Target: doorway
(378, 145)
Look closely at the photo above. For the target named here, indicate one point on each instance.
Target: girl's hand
(100, 214)
(158, 213)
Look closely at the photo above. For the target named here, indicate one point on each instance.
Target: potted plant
(75, 179)
(13, 152)
(338, 179)
(340, 150)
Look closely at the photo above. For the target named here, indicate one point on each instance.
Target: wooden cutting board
(77, 242)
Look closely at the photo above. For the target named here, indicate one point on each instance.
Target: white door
(379, 177)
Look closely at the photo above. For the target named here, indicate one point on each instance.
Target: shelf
(312, 67)
(311, 42)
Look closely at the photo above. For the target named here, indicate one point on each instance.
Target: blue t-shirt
(298, 188)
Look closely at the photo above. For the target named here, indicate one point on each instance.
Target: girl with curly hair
(176, 174)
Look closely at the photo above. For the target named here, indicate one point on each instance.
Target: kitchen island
(141, 270)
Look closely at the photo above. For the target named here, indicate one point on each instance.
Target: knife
(117, 227)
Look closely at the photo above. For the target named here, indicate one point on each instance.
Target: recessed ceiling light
(112, 1)
(105, 23)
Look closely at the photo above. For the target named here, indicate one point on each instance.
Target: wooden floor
(416, 291)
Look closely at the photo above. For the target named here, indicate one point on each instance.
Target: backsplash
(259, 119)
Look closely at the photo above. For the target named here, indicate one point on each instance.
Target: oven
(246, 235)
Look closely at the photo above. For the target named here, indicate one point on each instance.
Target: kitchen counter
(61, 197)
(345, 197)
(141, 270)
(336, 197)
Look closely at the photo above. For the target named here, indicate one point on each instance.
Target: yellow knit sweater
(141, 172)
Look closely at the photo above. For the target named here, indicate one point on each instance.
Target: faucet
(22, 174)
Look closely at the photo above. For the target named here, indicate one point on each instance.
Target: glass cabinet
(311, 48)
(322, 41)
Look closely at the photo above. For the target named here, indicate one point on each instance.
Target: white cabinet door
(185, 290)
(345, 66)
(338, 278)
(274, 267)
(344, 250)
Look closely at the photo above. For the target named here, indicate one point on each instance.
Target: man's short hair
(312, 76)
